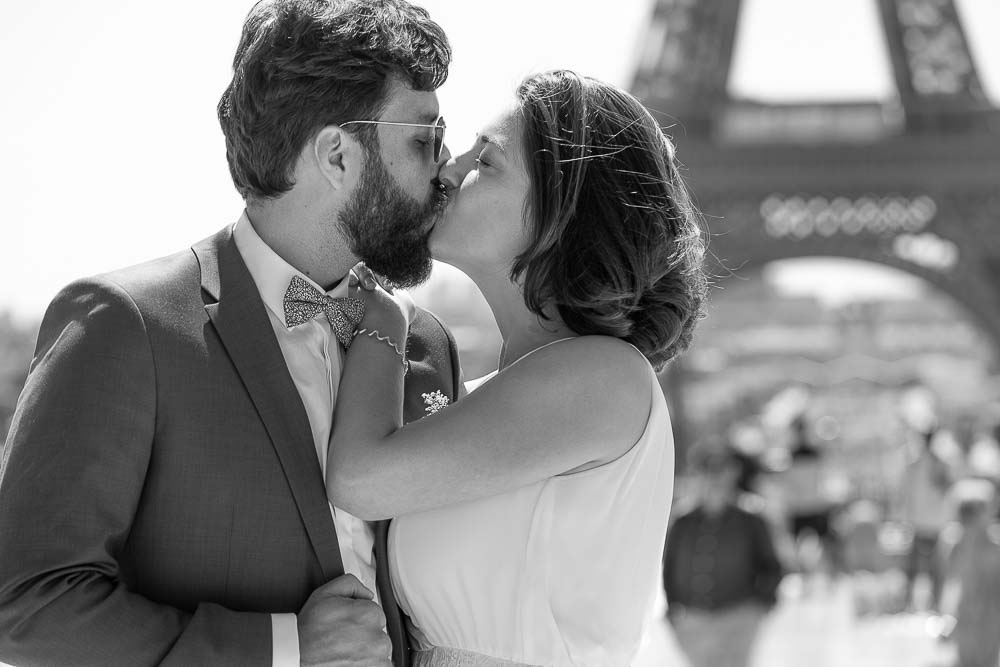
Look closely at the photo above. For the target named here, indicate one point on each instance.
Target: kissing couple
(258, 452)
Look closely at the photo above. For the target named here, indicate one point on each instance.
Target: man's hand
(341, 626)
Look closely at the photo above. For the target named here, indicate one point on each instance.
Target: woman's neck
(521, 330)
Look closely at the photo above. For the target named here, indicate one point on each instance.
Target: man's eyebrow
(428, 117)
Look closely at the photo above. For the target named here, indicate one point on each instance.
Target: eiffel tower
(912, 183)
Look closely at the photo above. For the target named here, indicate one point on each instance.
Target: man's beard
(388, 229)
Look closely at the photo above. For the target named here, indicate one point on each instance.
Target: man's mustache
(439, 196)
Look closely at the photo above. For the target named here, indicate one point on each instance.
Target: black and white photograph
(534, 333)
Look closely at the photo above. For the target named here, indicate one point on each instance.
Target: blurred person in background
(922, 505)
(864, 560)
(720, 568)
(983, 459)
(972, 595)
(808, 503)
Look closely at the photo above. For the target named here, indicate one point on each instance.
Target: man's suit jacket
(160, 494)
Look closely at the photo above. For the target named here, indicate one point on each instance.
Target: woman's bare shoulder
(610, 372)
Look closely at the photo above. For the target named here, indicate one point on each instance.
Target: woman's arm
(584, 401)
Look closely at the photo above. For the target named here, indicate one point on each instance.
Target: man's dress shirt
(315, 359)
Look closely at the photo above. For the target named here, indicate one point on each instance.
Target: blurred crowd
(754, 524)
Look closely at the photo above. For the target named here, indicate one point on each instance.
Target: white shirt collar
(270, 272)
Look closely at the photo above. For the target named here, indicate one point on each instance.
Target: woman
(532, 514)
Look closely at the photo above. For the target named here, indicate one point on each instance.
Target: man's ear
(336, 155)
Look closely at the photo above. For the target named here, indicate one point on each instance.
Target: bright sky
(110, 152)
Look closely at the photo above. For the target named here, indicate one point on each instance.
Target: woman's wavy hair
(304, 64)
(616, 246)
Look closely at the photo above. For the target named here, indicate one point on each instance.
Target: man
(923, 505)
(162, 499)
(973, 570)
(720, 567)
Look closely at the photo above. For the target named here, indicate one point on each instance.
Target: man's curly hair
(305, 64)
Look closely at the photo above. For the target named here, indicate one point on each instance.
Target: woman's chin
(438, 241)
(442, 251)
(441, 255)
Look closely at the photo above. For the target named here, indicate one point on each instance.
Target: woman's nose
(454, 169)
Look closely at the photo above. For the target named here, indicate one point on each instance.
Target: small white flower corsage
(435, 401)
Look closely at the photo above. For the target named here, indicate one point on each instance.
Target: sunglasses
(438, 126)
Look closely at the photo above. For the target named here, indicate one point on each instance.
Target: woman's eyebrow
(487, 139)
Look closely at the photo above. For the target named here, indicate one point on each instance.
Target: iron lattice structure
(912, 182)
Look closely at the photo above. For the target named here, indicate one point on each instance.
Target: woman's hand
(384, 306)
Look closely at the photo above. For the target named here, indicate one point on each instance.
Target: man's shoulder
(430, 338)
(433, 356)
(155, 278)
(163, 280)
(685, 511)
(429, 327)
(157, 289)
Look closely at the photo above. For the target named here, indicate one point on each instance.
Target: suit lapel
(234, 306)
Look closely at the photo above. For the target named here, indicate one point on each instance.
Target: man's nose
(445, 154)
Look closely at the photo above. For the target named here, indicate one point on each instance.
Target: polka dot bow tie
(303, 302)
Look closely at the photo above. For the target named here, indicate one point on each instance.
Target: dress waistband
(440, 656)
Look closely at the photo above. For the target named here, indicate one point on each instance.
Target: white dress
(562, 572)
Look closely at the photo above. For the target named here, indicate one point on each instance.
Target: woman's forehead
(504, 132)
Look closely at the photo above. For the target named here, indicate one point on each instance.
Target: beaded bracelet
(373, 333)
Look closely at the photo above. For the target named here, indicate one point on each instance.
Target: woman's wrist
(387, 322)
(396, 346)
(386, 318)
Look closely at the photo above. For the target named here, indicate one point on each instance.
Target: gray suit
(160, 494)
